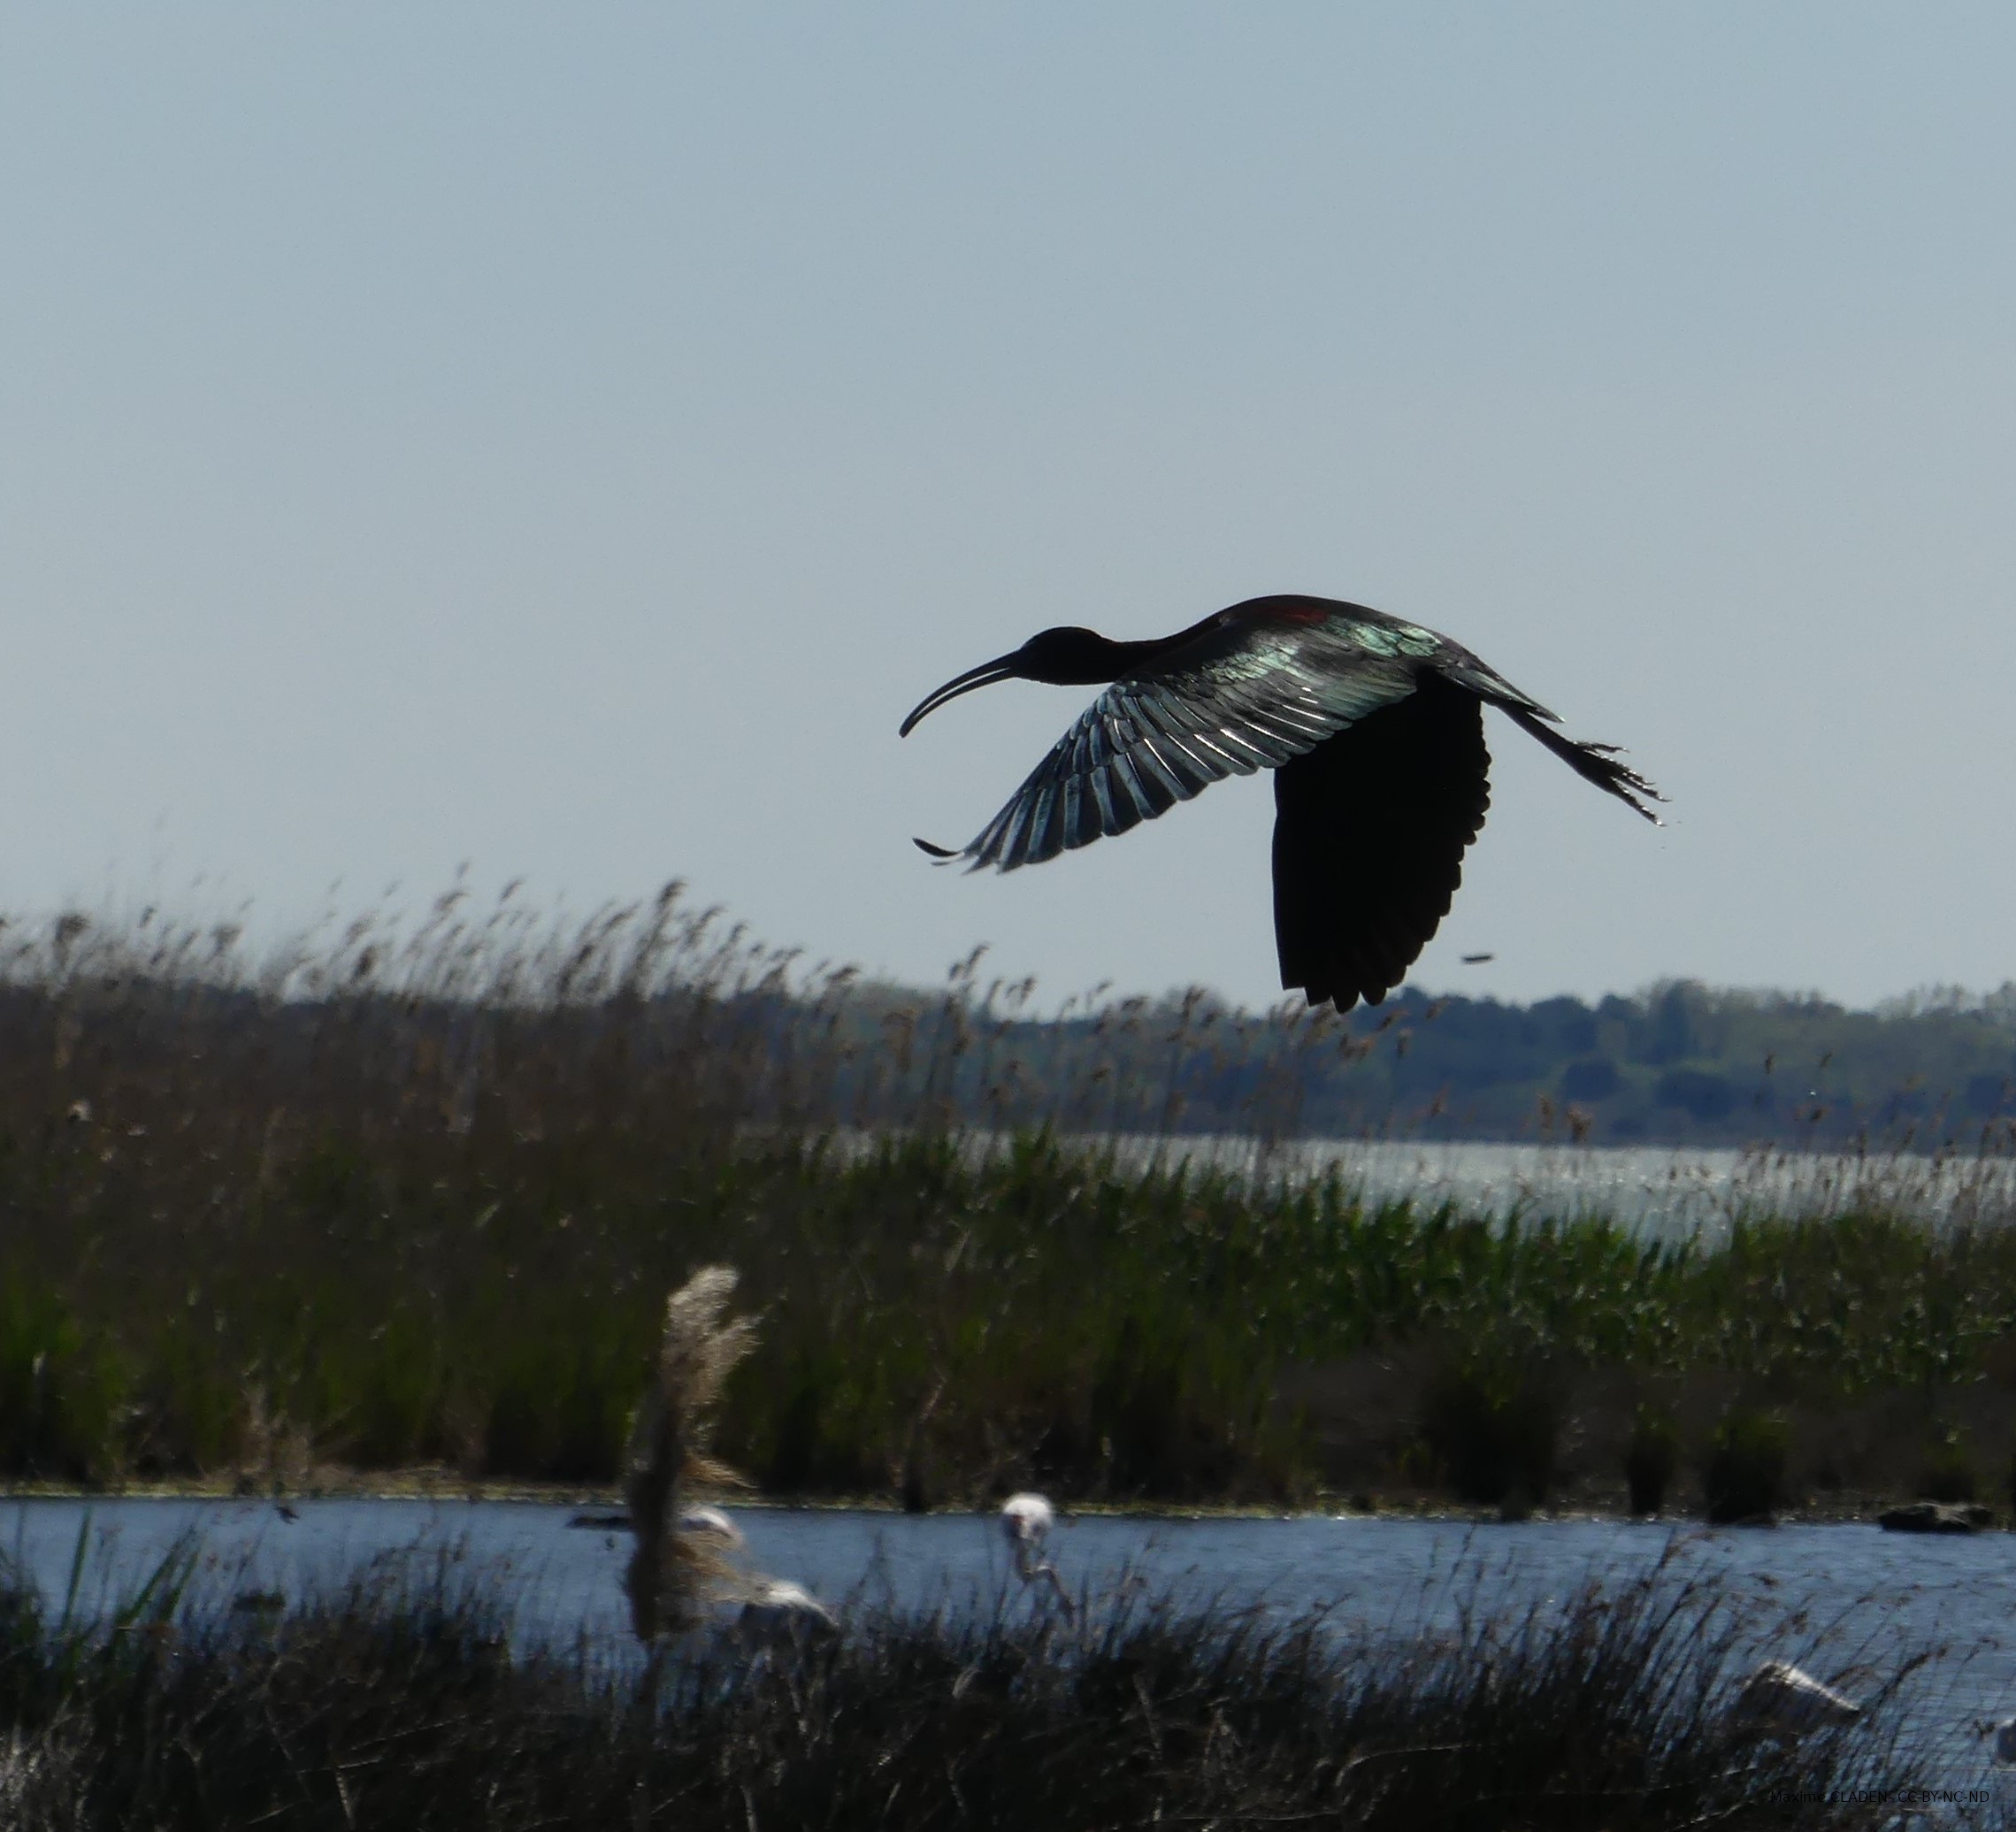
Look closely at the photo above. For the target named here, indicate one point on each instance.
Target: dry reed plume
(670, 1569)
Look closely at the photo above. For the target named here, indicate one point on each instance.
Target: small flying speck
(1477, 959)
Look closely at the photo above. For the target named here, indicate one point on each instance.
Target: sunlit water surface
(1665, 1191)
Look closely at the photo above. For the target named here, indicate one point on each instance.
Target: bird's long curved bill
(985, 676)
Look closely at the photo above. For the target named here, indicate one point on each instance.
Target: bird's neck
(1127, 657)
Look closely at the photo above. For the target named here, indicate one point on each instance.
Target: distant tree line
(1678, 1063)
(663, 990)
(1686, 1063)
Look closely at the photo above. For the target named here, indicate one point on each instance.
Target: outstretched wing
(1369, 833)
(1252, 690)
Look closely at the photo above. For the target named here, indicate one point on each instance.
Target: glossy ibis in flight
(1374, 728)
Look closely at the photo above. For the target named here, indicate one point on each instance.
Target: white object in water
(710, 1523)
(1027, 1519)
(1782, 1696)
(778, 1610)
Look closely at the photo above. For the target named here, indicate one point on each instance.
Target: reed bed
(401, 1702)
(411, 1193)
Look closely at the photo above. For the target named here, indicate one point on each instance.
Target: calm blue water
(1847, 1600)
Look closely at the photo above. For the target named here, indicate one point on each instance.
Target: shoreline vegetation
(402, 1196)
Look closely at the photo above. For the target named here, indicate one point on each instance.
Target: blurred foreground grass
(398, 1700)
(415, 1196)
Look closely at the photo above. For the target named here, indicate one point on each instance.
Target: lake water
(1662, 1191)
(1871, 1597)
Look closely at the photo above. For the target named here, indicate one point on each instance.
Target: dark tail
(1593, 762)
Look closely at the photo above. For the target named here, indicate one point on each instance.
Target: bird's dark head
(1065, 656)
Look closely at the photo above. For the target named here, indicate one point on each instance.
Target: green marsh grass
(1651, 1459)
(1747, 1466)
(412, 1194)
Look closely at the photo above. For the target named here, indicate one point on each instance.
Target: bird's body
(1781, 1697)
(1374, 728)
(776, 1610)
(1026, 1519)
(711, 1525)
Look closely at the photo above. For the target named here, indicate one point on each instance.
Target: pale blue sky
(570, 438)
